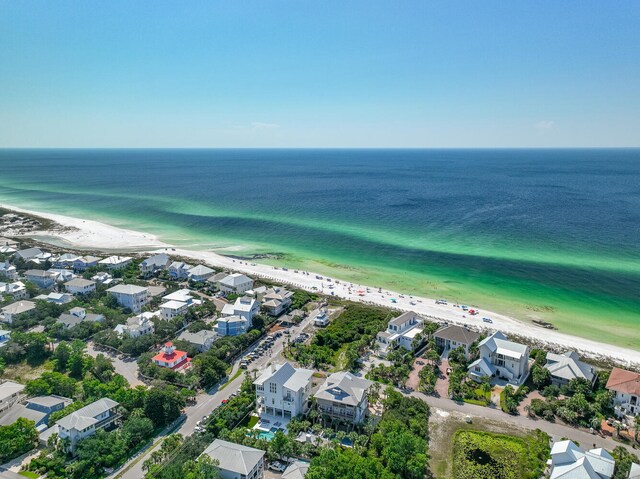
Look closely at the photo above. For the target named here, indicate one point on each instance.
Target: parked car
(277, 466)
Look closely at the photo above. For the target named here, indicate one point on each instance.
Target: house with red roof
(171, 358)
(625, 386)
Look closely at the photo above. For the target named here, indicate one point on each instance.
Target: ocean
(544, 234)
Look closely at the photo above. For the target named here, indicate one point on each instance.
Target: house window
(273, 388)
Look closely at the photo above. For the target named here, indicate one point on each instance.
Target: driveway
(127, 367)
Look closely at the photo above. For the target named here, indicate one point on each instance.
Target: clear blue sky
(252, 73)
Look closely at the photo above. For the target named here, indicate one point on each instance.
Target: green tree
(61, 356)
(17, 438)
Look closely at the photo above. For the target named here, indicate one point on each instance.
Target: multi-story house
(200, 273)
(501, 358)
(235, 461)
(245, 306)
(16, 290)
(283, 391)
(14, 310)
(452, 337)
(130, 296)
(179, 270)
(78, 315)
(41, 278)
(36, 409)
(276, 301)
(154, 264)
(115, 262)
(10, 393)
(84, 422)
(404, 331)
(8, 270)
(203, 340)
(566, 367)
(568, 461)
(85, 262)
(625, 386)
(172, 358)
(235, 283)
(80, 286)
(344, 397)
(137, 326)
(232, 325)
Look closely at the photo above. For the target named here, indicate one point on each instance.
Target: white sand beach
(89, 234)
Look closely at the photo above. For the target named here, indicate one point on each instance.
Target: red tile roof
(169, 358)
(624, 381)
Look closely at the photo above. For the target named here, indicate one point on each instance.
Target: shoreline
(92, 235)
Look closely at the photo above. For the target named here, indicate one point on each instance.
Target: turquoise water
(539, 234)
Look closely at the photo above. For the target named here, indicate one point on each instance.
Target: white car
(277, 466)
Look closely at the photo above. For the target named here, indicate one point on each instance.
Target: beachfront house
(14, 310)
(36, 409)
(625, 386)
(8, 270)
(344, 397)
(245, 306)
(115, 262)
(10, 393)
(502, 359)
(232, 325)
(101, 414)
(136, 326)
(42, 279)
(65, 260)
(154, 264)
(276, 301)
(567, 366)
(179, 270)
(568, 461)
(236, 461)
(235, 283)
(16, 290)
(203, 340)
(85, 262)
(130, 296)
(80, 286)
(282, 391)
(78, 315)
(172, 358)
(28, 254)
(200, 273)
(452, 337)
(404, 331)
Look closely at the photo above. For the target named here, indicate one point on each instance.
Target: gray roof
(498, 342)
(8, 388)
(199, 338)
(38, 273)
(85, 417)
(160, 260)
(49, 401)
(568, 366)
(345, 388)
(286, 375)
(234, 457)
(634, 473)
(29, 253)
(200, 270)
(296, 470)
(235, 279)
(79, 282)
(19, 307)
(127, 289)
(403, 318)
(458, 334)
(17, 411)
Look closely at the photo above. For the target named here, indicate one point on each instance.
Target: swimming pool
(268, 435)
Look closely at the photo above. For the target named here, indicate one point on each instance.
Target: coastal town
(131, 365)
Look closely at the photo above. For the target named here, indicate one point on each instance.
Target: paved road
(555, 430)
(206, 402)
(126, 367)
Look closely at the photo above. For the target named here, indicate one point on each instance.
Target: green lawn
(30, 474)
(253, 420)
(238, 373)
(484, 455)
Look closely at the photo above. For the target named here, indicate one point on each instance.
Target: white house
(203, 340)
(56, 298)
(78, 315)
(235, 283)
(154, 264)
(85, 262)
(10, 393)
(115, 262)
(16, 290)
(8, 270)
(130, 296)
(501, 358)
(136, 326)
(236, 461)
(12, 311)
(66, 260)
(625, 386)
(61, 275)
(276, 301)
(567, 366)
(245, 306)
(403, 331)
(80, 286)
(29, 253)
(86, 421)
(171, 309)
(232, 325)
(321, 319)
(452, 337)
(344, 397)
(200, 273)
(179, 270)
(568, 461)
(283, 391)
(40, 278)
